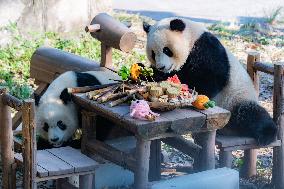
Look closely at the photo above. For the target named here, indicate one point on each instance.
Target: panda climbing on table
(57, 117)
(186, 48)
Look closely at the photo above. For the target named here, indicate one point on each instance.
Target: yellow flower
(135, 71)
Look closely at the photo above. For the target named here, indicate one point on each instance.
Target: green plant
(273, 15)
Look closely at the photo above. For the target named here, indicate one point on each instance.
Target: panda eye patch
(153, 55)
(61, 125)
(168, 52)
(45, 127)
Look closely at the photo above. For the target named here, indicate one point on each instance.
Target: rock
(51, 15)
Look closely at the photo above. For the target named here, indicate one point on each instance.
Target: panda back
(239, 87)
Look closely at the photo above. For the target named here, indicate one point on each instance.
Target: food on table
(202, 102)
(135, 71)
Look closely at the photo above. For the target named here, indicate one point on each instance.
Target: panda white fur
(56, 114)
(186, 48)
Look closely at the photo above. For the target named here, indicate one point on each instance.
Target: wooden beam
(106, 56)
(155, 160)
(29, 144)
(112, 154)
(113, 33)
(183, 145)
(6, 137)
(12, 101)
(249, 168)
(265, 68)
(278, 110)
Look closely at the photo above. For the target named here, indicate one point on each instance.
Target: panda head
(56, 120)
(170, 41)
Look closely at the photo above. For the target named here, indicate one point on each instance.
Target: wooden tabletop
(178, 121)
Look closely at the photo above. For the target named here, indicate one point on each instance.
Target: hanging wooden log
(113, 33)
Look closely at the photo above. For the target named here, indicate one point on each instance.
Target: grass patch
(15, 57)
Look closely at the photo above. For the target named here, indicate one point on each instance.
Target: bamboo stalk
(120, 101)
(88, 88)
(107, 95)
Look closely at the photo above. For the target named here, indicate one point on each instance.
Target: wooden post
(250, 155)
(106, 56)
(206, 159)
(226, 158)
(29, 144)
(6, 137)
(278, 109)
(142, 164)
(252, 58)
(155, 160)
(88, 129)
(86, 181)
(249, 168)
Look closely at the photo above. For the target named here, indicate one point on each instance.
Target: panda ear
(146, 27)
(177, 25)
(37, 99)
(65, 96)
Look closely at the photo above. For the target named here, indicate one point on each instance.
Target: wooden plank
(142, 165)
(216, 118)
(126, 144)
(112, 154)
(75, 158)
(53, 164)
(17, 120)
(41, 172)
(278, 117)
(185, 120)
(183, 145)
(89, 124)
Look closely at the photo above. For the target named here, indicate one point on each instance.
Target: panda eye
(153, 55)
(45, 127)
(168, 52)
(61, 125)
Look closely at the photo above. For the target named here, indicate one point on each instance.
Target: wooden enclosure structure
(227, 144)
(47, 64)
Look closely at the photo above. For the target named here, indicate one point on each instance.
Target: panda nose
(54, 139)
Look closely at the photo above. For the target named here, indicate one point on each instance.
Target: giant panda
(186, 48)
(57, 117)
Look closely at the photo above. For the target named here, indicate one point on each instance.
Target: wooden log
(206, 159)
(252, 58)
(183, 145)
(249, 167)
(17, 120)
(226, 158)
(106, 56)
(262, 67)
(155, 160)
(86, 181)
(278, 109)
(142, 164)
(88, 88)
(113, 33)
(6, 137)
(93, 28)
(112, 154)
(29, 144)
(12, 101)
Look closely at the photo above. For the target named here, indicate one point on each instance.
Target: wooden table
(170, 124)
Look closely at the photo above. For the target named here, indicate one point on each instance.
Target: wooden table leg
(142, 164)
(155, 160)
(206, 158)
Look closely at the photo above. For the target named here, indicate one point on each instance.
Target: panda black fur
(186, 48)
(57, 117)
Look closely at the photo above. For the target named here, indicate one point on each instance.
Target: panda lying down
(57, 117)
(183, 47)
